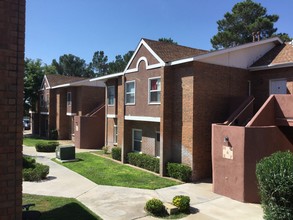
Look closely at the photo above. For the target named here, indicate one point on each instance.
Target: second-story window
(42, 100)
(111, 95)
(130, 93)
(47, 101)
(155, 90)
(69, 98)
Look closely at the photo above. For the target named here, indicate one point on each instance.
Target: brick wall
(12, 24)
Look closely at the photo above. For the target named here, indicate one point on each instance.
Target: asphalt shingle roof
(170, 52)
(56, 79)
(278, 55)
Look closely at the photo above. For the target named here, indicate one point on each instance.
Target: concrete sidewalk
(122, 203)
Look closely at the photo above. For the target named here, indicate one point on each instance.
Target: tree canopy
(237, 27)
(34, 71)
(168, 40)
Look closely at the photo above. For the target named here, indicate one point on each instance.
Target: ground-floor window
(136, 139)
(157, 144)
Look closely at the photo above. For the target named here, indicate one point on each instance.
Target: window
(42, 100)
(68, 98)
(136, 139)
(47, 101)
(130, 93)
(111, 95)
(115, 134)
(155, 90)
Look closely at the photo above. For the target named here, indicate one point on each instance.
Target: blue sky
(81, 27)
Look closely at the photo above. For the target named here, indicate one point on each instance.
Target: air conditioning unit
(65, 152)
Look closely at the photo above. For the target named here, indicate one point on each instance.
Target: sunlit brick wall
(12, 25)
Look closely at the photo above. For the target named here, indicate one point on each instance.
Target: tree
(237, 27)
(33, 75)
(283, 36)
(168, 40)
(99, 63)
(120, 63)
(71, 65)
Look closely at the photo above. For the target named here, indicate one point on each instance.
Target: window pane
(155, 97)
(137, 145)
(111, 95)
(130, 87)
(130, 98)
(137, 135)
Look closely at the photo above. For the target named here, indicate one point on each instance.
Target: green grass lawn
(59, 208)
(107, 172)
(31, 141)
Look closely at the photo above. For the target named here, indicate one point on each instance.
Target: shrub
(155, 207)
(53, 134)
(179, 171)
(37, 173)
(46, 147)
(275, 182)
(144, 161)
(105, 149)
(182, 203)
(28, 162)
(116, 153)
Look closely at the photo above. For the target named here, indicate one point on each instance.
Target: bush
(46, 147)
(105, 149)
(28, 162)
(182, 203)
(275, 182)
(179, 171)
(144, 161)
(116, 153)
(155, 207)
(33, 171)
(53, 134)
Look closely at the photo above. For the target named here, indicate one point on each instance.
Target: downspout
(106, 119)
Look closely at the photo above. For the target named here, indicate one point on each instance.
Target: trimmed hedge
(33, 171)
(144, 161)
(116, 153)
(155, 207)
(275, 183)
(179, 171)
(182, 203)
(46, 147)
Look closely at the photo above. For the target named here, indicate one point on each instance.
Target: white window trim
(132, 81)
(133, 130)
(149, 91)
(69, 102)
(108, 96)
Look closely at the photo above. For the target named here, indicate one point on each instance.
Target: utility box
(65, 153)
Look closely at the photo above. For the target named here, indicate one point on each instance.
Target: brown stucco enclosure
(267, 132)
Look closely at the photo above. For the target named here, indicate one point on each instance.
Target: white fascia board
(109, 76)
(142, 118)
(60, 86)
(223, 51)
(142, 42)
(271, 66)
(111, 116)
(148, 67)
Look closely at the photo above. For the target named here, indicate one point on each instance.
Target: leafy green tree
(283, 36)
(99, 63)
(168, 40)
(33, 75)
(71, 65)
(237, 27)
(120, 63)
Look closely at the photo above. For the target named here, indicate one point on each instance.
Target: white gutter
(110, 76)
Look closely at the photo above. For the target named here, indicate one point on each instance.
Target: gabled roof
(279, 55)
(56, 79)
(169, 52)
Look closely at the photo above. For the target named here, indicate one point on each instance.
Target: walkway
(121, 203)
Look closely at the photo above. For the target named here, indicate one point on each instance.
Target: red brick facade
(12, 27)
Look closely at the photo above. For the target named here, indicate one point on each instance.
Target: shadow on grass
(72, 211)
